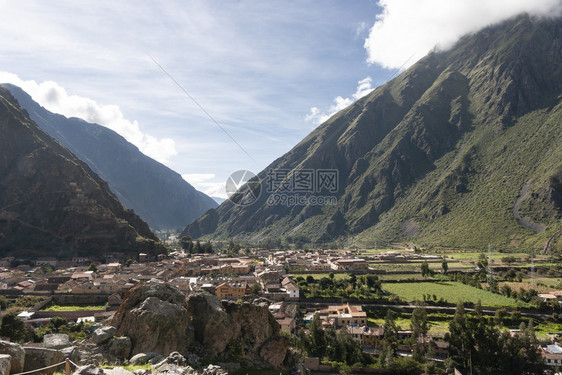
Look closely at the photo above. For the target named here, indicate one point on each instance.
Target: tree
(3, 302)
(197, 248)
(256, 288)
(482, 262)
(13, 327)
(56, 323)
(420, 326)
(425, 269)
(459, 338)
(186, 243)
(316, 340)
(325, 283)
(389, 340)
(445, 266)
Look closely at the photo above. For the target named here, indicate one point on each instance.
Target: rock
(213, 370)
(120, 347)
(173, 358)
(16, 352)
(56, 341)
(89, 370)
(36, 358)
(154, 317)
(103, 334)
(229, 328)
(139, 359)
(156, 359)
(230, 367)
(298, 369)
(71, 353)
(157, 318)
(5, 364)
(274, 351)
(193, 359)
(118, 371)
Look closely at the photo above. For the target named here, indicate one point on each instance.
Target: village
(274, 275)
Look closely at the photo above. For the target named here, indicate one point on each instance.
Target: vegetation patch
(450, 291)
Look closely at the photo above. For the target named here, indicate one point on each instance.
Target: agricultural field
(74, 307)
(450, 291)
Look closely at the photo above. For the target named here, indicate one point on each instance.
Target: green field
(437, 328)
(74, 307)
(450, 291)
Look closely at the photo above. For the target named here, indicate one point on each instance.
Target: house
(82, 276)
(26, 315)
(344, 315)
(46, 261)
(232, 290)
(552, 355)
(353, 264)
(547, 297)
(285, 314)
(291, 288)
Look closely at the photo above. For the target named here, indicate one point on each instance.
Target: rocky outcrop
(88, 370)
(103, 334)
(158, 319)
(120, 347)
(5, 364)
(17, 354)
(56, 341)
(226, 328)
(155, 318)
(36, 358)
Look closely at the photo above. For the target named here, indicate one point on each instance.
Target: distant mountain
(160, 196)
(462, 149)
(51, 203)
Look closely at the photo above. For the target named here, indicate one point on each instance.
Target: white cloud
(55, 98)
(206, 182)
(317, 116)
(407, 30)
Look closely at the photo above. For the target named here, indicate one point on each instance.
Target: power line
(201, 107)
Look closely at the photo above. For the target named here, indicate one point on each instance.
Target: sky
(211, 87)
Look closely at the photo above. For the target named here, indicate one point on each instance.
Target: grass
(75, 307)
(450, 291)
(437, 328)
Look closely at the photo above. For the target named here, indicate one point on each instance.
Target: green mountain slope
(462, 149)
(52, 204)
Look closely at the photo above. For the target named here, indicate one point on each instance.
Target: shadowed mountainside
(160, 196)
(52, 204)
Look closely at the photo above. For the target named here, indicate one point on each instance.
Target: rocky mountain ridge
(439, 153)
(160, 196)
(52, 204)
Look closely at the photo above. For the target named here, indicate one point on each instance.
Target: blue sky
(268, 71)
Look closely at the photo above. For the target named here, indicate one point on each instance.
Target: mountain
(160, 196)
(51, 203)
(463, 149)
